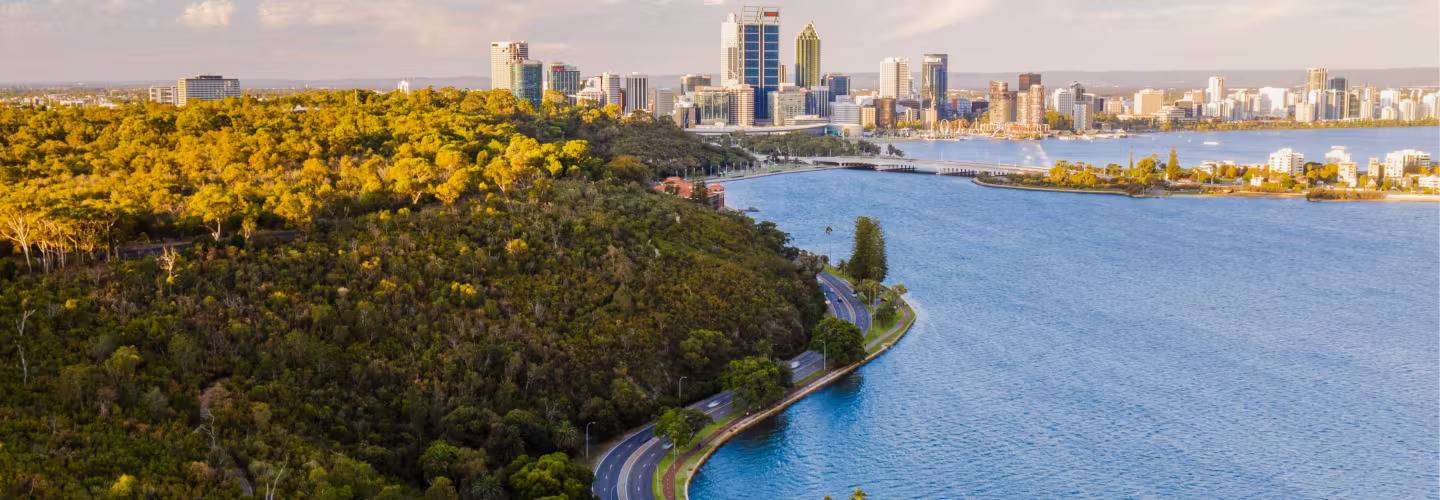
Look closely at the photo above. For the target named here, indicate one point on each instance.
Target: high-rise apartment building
(689, 83)
(1002, 103)
(205, 88)
(527, 81)
(750, 54)
(895, 77)
(1030, 106)
(504, 55)
(807, 57)
(637, 93)
(1027, 80)
(935, 83)
(1215, 90)
(839, 83)
(1287, 161)
(564, 79)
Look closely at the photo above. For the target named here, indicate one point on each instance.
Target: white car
(794, 365)
(713, 404)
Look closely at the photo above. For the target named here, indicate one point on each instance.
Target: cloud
(918, 17)
(208, 14)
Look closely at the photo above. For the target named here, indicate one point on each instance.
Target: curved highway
(625, 471)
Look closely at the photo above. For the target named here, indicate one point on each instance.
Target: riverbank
(1389, 197)
(678, 475)
(1111, 192)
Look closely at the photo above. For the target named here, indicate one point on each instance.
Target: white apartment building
(1287, 161)
(895, 77)
(1397, 161)
(504, 55)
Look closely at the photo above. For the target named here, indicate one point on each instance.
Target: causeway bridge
(961, 168)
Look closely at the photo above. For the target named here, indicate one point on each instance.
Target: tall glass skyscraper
(750, 54)
(527, 81)
(839, 83)
(935, 83)
(807, 57)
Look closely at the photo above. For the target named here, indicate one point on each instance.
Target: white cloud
(208, 14)
(918, 17)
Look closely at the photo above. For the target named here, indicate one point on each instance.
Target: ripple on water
(1100, 346)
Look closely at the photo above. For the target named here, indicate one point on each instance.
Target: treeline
(796, 144)
(80, 181)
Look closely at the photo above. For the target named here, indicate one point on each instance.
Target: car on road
(713, 404)
(794, 365)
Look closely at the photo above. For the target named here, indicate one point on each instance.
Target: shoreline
(1130, 134)
(979, 182)
(707, 448)
(1391, 198)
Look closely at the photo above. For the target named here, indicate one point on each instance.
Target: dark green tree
(756, 381)
(679, 425)
(551, 476)
(867, 259)
(842, 341)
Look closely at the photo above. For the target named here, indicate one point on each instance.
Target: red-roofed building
(714, 193)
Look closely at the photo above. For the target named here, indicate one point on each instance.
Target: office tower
(839, 83)
(205, 88)
(527, 81)
(1215, 90)
(713, 105)
(689, 83)
(817, 101)
(610, 83)
(664, 102)
(1002, 103)
(885, 112)
(786, 103)
(935, 83)
(1148, 102)
(564, 79)
(1315, 79)
(637, 92)
(1287, 161)
(163, 94)
(845, 113)
(750, 54)
(742, 105)
(807, 57)
(1026, 80)
(403, 86)
(503, 57)
(895, 77)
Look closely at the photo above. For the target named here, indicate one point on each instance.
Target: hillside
(397, 344)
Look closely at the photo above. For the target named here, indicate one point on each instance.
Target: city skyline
(317, 39)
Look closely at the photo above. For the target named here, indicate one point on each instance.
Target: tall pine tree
(867, 259)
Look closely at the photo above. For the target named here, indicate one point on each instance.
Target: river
(1102, 346)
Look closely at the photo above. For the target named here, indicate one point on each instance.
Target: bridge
(962, 168)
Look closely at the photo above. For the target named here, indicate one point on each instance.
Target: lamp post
(587, 439)
(824, 360)
(680, 391)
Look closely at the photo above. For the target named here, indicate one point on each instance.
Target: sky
(154, 40)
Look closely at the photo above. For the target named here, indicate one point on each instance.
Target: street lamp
(824, 360)
(587, 439)
(680, 391)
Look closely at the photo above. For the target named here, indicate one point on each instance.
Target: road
(625, 472)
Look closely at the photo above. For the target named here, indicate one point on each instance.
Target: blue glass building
(760, 55)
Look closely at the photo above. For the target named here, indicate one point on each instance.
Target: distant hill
(1109, 81)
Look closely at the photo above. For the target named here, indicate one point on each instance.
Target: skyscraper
(610, 83)
(1315, 79)
(637, 92)
(935, 83)
(664, 103)
(807, 57)
(787, 103)
(742, 105)
(839, 83)
(895, 77)
(527, 81)
(1148, 102)
(750, 54)
(503, 57)
(1026, 80)
(564, 79)
(1215, 89)
(885, 112)
(205, 88)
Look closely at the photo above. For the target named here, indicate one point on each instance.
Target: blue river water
(1099, 346)
(1244, 147)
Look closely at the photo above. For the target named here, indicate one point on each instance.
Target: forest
(456, 286)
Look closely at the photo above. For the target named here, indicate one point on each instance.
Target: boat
(1211, 143)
